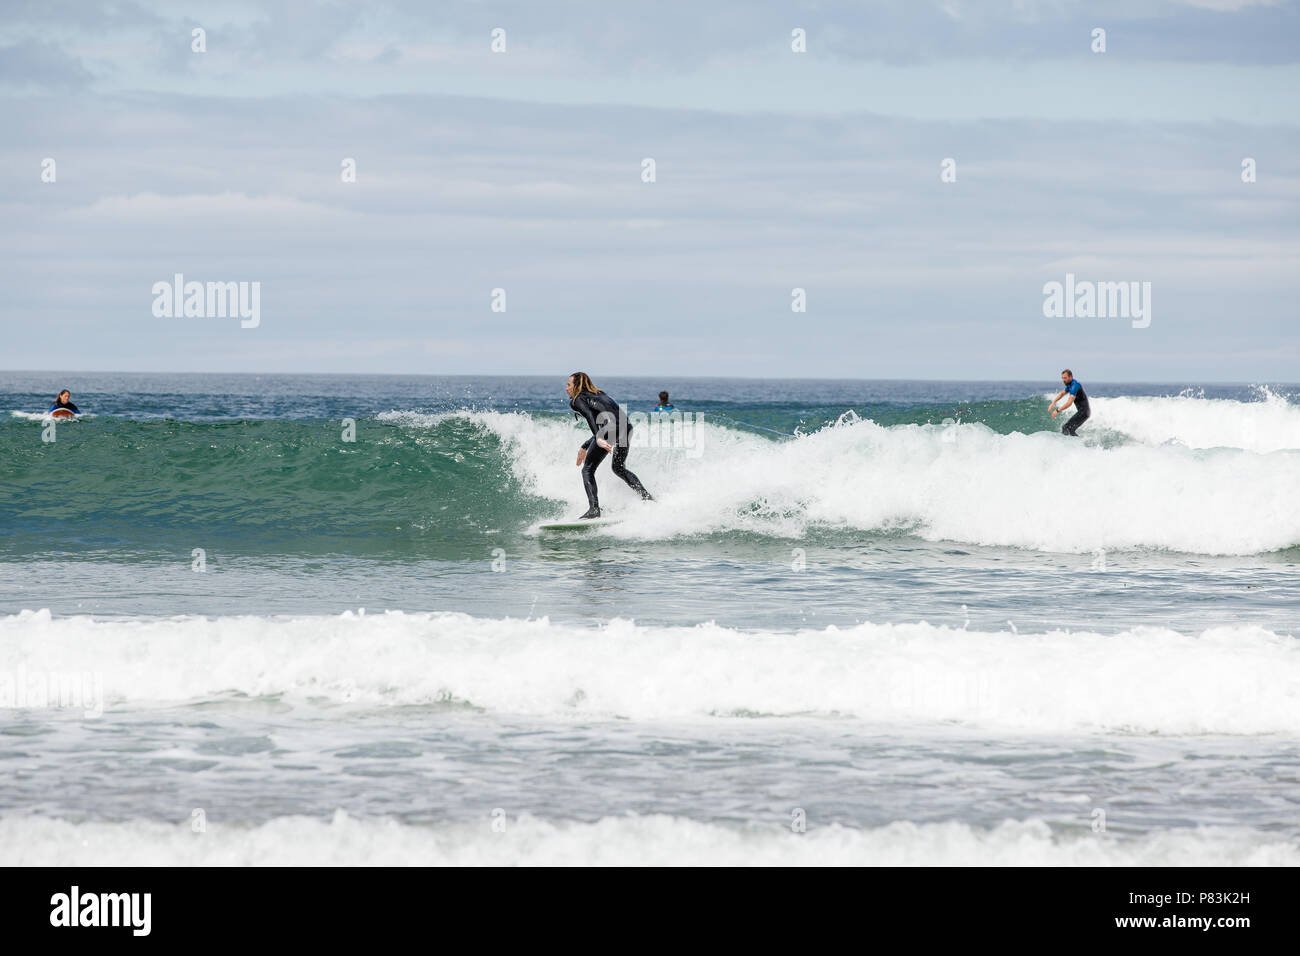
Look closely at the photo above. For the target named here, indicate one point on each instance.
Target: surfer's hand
(1054, 411)
(604, 444)
(582, 454)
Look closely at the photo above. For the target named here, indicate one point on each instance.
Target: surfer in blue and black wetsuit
(664, 405)
(64, 400)
(610, 432)
(1078, 398)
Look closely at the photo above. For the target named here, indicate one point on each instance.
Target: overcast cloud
(775, 170)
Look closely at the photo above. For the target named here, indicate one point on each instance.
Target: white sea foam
(1231, 680)
(45, 416)
(615, 841)
(1269, 425)
(963, 483)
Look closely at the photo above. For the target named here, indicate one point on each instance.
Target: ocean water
(296, 619)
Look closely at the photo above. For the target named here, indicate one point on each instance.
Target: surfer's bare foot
(591, 513)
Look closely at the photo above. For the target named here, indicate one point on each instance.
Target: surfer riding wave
(1077, 397)
(610, 432)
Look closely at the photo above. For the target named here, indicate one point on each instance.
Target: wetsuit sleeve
(587, 443)
(1074, 388)
(581, 406)
(74, 408)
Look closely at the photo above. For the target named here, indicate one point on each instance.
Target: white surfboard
(579, 524)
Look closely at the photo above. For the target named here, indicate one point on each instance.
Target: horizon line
(754, 378)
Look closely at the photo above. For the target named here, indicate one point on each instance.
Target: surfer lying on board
(64, 401)
(1078, 398)
(610, 431)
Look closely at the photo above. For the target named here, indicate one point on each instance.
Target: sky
(774, 170)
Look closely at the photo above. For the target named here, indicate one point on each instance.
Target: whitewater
(957, 482)
(1233, 680)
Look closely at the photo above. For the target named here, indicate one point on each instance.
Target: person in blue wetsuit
(664, 405)
(610, 432)
(64, 400)
(1078, 398)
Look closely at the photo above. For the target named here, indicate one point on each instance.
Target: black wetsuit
(1081, 403)
(68, 405)
(609, 422)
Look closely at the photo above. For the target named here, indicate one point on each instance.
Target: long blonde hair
(584, 383)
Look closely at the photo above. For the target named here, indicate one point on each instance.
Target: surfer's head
(663, 398)
(578, 383)
(1067, 376)
(64, 395)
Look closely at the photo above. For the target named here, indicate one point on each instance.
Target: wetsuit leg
(595, 455)
(1072, 426)
(619, 467)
